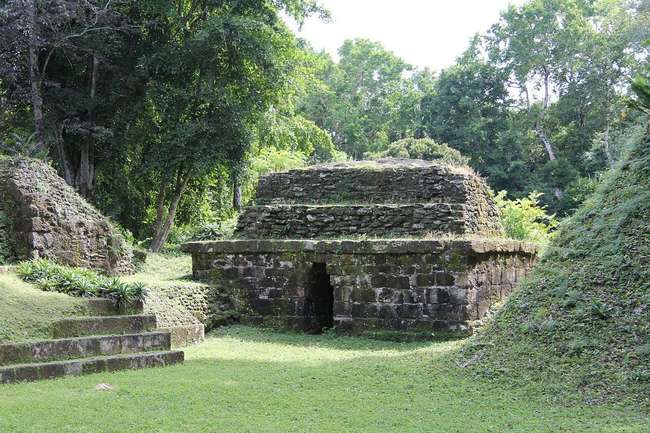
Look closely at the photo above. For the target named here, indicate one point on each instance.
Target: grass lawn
(249, 380)
(27, 312)
(162, 270)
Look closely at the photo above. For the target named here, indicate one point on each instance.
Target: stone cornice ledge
(374, 246)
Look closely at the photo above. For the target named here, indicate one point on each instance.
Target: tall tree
(219, 69)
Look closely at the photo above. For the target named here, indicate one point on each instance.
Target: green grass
(27, 312)
(250, 380)
(162, 270)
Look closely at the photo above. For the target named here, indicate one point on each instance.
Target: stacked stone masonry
(392, 198)
(396, 244)
(45, 218)
(388, 284)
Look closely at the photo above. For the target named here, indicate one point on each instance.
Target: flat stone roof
(373, 246)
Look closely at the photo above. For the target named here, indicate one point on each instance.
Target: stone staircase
(104, 342)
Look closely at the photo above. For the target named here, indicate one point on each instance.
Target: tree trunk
(546, 87)
(84, 185)
(606, 143)
(236, 193)
(162, 233)
(545, 141)
(557, 191)
(68, 173)
(86, 170)
(35, 80)
(160, 206)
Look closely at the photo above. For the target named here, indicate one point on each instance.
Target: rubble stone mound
(43, 217)
(399, 244)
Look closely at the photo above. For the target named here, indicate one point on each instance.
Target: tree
(366, 100)
(56, 56)
(220, 67)
(423, 148)
(468, 109)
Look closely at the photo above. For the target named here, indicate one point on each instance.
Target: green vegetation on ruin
(582, 320)
(26, 312)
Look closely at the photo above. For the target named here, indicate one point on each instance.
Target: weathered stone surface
(381, 283)
(49, 219)
(327, 221)
(83, 347)
(103, 325)
(383, 181)
(186, 335)
(384, 199)
(435, 259)
(50, 370)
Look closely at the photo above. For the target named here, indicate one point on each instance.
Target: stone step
(106, 307)
(103, 325)
(83, 347)
(366, 182)
(101, 307)
(77, 367)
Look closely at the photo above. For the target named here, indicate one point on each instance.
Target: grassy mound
(27, 313)
(582, 320)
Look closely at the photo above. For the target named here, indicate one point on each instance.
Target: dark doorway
(319, 299)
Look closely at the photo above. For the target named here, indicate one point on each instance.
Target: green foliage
(221, 230)
(423, 148)
(525, 219)
(269, 160)
(296, 134)
(365, 100)
(80, 282)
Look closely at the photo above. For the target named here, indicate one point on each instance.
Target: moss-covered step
(77, 367)
(103, 325)
(83, 347)
(101, 307)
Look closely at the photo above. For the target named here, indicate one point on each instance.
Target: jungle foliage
(164, 113)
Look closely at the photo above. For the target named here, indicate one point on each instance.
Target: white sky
(425, 33)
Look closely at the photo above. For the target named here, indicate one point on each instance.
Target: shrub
(422, 148)
(52, 277)
(525, 219)
(221, 230)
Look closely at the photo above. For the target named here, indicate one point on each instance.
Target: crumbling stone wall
(387, 198)
(50, 220)
(399, 244)
(389, 284)
(328, 221)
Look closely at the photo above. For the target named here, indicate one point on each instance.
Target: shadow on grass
(330, 340)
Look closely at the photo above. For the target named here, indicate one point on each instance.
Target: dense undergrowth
(52, 277)
(582, 320)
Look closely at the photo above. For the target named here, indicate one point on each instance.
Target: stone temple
(394, 244)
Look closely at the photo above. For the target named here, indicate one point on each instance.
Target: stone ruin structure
(397, 244)
(42, 217)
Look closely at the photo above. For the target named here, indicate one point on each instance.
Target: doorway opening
(319, 299)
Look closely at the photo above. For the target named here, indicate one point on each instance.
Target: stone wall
(386, 198)
(382, 181)
(328, 221)
(181, 310)
(389, 284)
(50, 220)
